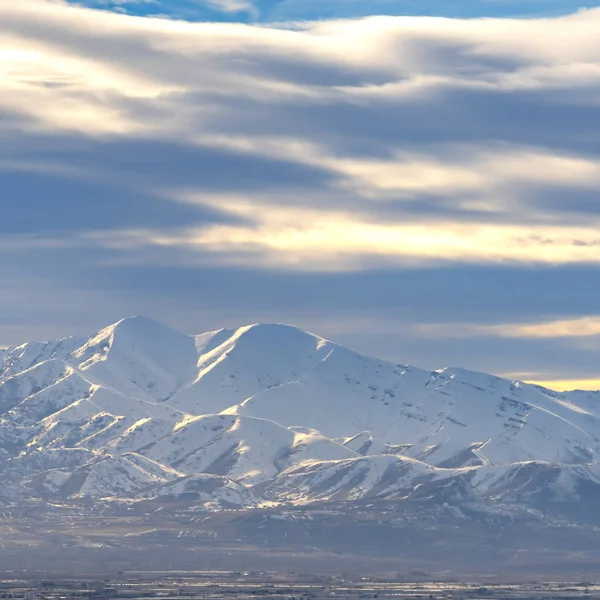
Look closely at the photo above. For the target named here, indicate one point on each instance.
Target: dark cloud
(372, 312)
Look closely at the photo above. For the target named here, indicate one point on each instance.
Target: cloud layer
(411, 139)
(328, 147)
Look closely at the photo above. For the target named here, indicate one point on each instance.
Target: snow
(270, 412)
(212, 491)
(351, 479)
(245, 449)
(20, 358)
(139, 357)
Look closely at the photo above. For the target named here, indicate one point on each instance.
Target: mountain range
(269, 414)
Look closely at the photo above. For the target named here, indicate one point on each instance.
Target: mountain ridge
(271, 413)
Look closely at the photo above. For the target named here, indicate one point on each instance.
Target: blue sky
(422, 190)
(286, 10)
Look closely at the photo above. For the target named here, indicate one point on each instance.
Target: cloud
(587, 326)
(234, 6)
(411, 170)
(244, 92)
(310, 239)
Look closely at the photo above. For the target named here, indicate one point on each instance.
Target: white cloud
(274, 94)
(579, 327)
(233, 6)
(92, 53)
(316, 239)
(468, 170)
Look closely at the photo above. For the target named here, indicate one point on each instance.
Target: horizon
(559, 386)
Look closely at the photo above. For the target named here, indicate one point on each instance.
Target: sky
(282, 11)
(417, 180)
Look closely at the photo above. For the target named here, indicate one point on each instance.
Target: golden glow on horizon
(578, 327)
(567, 385)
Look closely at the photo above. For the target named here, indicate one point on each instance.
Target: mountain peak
(140, 324)
(271, 404)
(274, 332)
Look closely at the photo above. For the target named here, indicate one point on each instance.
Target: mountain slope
(245, 449)
(271, 413)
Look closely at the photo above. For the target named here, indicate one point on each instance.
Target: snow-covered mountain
(271, 414)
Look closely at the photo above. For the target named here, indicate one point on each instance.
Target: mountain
(269, 415)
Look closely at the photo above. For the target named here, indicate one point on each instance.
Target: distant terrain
(271, 443)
